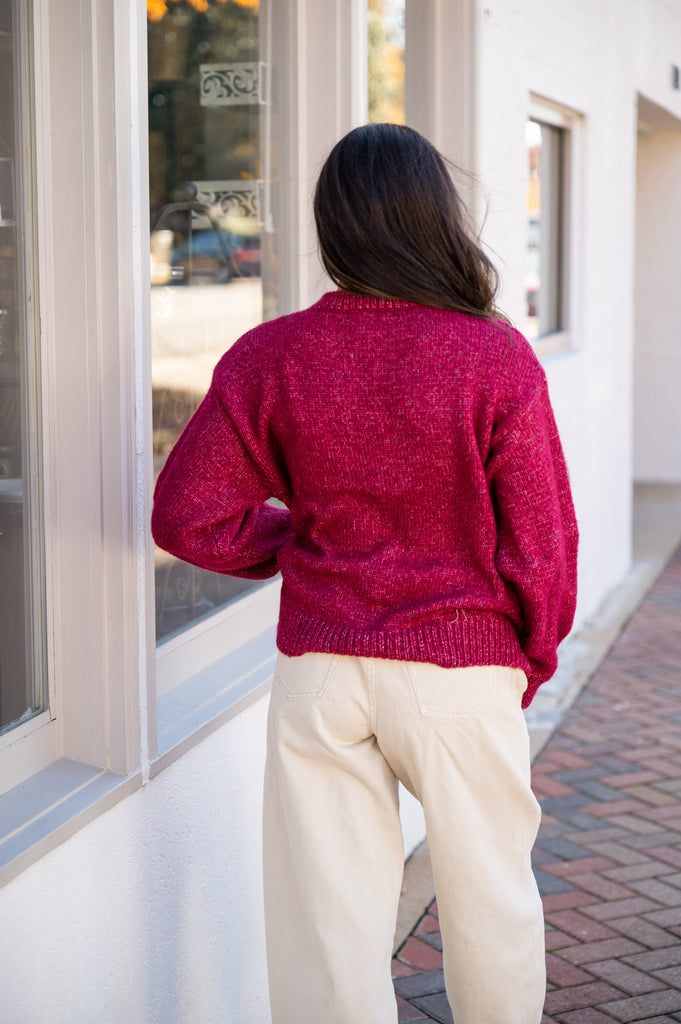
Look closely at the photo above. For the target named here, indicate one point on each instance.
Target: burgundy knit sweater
(428, 511)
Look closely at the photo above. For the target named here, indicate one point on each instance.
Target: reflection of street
(193, 325)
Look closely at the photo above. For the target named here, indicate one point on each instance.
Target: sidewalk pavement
(608, 854)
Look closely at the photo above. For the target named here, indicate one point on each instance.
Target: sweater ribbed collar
(350, 302)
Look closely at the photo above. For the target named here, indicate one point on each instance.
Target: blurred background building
(156, 170)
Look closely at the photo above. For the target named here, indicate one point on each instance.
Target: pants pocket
(306, 677)
(453, 693)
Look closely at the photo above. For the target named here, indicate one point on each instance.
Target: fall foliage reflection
(386, 60)
(157, 9)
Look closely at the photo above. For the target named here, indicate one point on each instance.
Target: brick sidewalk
(608, 855)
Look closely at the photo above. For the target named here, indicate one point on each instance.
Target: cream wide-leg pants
(341, 732)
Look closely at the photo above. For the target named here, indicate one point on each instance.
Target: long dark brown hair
(391, 224)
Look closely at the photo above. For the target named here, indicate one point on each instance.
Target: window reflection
(213, 248)
(545, 202)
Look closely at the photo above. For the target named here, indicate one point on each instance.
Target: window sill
(41, 813)
(203, 703)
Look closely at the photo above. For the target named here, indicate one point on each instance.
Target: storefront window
(214, 234)
(22, 683)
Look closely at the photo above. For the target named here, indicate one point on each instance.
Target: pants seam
(371, 681)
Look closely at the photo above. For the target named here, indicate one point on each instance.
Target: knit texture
(428, 512)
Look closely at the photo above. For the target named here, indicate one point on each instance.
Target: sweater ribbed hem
(472, 638)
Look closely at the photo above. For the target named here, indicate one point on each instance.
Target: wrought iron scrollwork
(225, 198)
(234, 84)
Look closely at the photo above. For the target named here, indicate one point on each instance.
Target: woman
(428, 557)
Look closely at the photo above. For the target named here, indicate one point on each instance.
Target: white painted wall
(152, 914)
(656, 25)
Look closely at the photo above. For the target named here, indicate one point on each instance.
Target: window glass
(214, 238)
(386, 21)
(545, 202)
(22, 682)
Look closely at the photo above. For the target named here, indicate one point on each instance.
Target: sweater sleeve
(210, 499)
(536, 533)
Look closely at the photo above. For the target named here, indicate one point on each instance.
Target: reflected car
(214, 256)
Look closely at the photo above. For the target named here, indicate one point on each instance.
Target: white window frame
(441, 54)
(88, 751)
(570, 122)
